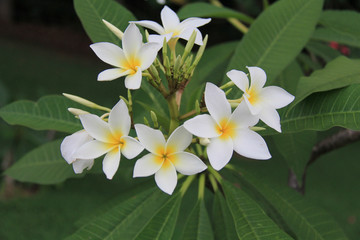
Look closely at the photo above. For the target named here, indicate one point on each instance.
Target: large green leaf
(277, 36)
(127, 219)
(289, 78)
(305, 220)
(340, 26)
(198, 226)
(91, 13)
(321, 111)
(338, 73)
(296, 149)
(43, 165)
(162, 225)
(49, 113)
(208, 10)
(250, 220)
(223, 221)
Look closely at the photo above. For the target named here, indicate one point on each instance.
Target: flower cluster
(219, 131)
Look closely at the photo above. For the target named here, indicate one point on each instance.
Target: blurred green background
(44, 50)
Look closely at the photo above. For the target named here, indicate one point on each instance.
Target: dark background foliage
(44, 50)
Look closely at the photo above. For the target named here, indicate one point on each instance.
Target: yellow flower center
(131, 64)
(116, 140)
(252, 95)
(226, 129)
(165, 156)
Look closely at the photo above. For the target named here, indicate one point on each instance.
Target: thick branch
(338, 140)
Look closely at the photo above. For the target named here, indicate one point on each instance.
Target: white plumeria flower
(69, 146)
(173, 28)
(227, 131)
(130, 61)
(261, 101)
(166, 157)
(110, 138)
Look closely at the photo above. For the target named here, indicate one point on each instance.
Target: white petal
(134, 81)
(219, 152)
(216, 103)
(255, 109)
(131, 148)
(257, 76)
(179, 140)
(276, 96)
(159, 38)
(239, 78)
(151, 25)
(92, 149)
(187, 163)
(71, 143)
(147, 54)
(111, 74)
(250, 144)
(169, 19)
(150, 138)
(194, 22)
(111, 163)
(109, 53)
(132, 41)
(202, 126)
(270, 116)
(186, 34)
(147, 165)
(242, 116)
(166, 178)
(119, 120)
(96, 127)
(80, 164)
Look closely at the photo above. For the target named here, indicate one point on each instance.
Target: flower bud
(113, 29)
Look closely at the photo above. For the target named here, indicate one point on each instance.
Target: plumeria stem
(227, 85)
(192, 113)
(213, 183)
(187, 184)
(215, 174)
(235, 22)
(201, 186)
(174, 113)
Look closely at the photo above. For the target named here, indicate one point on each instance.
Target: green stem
(201, 186)
(174, 112)
(213, 182)
(235, 22)
(186, 184)
(215, 174)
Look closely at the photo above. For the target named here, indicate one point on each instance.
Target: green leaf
(162, 225)
(208, 10)
(277, 37)
(289, 78)
(338, 73)
(91, 13)
(296, 149)
(305, 220)
(198, 226)
(223, 222)
(127, 219)
(250, 220)
(340, 26)
(49, 113)
(43, 165)
(321, 111)
(324, 51)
